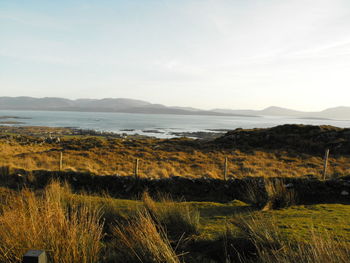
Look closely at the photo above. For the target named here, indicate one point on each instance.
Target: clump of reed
(279, 195)
(71, 234)
(254, 192)
(155, 233)
(268, 193)
(179, 220)
(141, 240)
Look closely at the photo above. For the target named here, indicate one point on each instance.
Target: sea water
(158, 125)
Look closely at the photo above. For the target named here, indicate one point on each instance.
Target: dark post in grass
(61, 161)
(325, 164)
(136, 168)
(35, 256)
(225, 168)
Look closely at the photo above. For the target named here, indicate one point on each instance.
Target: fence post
(325, 164)
(136, 168)
(225, 168)
(35, 256)
(61, 161)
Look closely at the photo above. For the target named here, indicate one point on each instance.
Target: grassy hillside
(263, 219)
(161, 158)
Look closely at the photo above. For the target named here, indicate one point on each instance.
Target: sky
(235, 54)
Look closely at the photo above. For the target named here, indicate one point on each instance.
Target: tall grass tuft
(261, 231)
(279, 196)
(321, 249)
(268, 193)
(271, 246)
(254, 192)
(71, 234)
(141, 240)
(179, 220)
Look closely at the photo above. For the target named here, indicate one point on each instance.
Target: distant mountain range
(139, 106)
(101, 105)
(338, 113)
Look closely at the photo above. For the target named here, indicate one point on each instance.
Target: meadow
(74, 225)
(158, 158)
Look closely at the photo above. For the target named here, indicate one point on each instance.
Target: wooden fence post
(136, 168)
(61, 161)
(225, 168)
(35, 256)
(325, 164)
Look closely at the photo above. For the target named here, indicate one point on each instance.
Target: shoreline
(150, 125)
(38, 131)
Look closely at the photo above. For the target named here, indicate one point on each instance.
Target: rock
(311, 176)
(306, 139)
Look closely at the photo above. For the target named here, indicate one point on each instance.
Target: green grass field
(185, 231)
(295, 221)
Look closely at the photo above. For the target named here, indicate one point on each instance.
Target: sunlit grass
(160, 159)
(68, 233)
(136, 229)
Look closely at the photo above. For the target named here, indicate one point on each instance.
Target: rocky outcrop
(299, 138)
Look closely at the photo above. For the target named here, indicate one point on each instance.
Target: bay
(158, 125)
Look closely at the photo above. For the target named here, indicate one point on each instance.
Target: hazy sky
(201, 53)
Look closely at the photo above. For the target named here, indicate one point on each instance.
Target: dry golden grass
(71, 234)
(141, 240)
(159, 158)
(269, 193)
(69, 227)
(178, 219)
